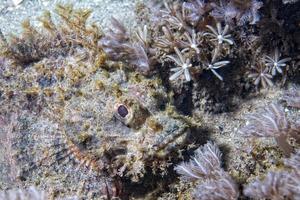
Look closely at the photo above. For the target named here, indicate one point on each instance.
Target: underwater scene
(150, 100)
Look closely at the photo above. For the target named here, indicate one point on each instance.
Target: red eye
(122, 111)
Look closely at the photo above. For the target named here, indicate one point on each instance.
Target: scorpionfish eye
(122, 111)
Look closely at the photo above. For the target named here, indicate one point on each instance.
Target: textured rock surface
(67, 116)
(11, 16)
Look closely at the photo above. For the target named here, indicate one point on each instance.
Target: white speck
(16, 2)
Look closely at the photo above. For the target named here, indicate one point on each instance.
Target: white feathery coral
(268, 122)
(292, 97)
(184, 64)
(261, 75)
(294, 162)
(213, 183)
(271, 121)
(279, 185)
(274, 63)
(30, 193)
(191, 43)
(220, 189)
(205, 163)
(219, 34)
(216, 65)
(274, 186)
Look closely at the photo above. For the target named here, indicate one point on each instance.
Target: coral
(195, 10)
(175, 16)
(279, 184)
(184, 64)
(219, 35)
(192, 42)
(112, 110)
(205, 166)
(167, 42)
(249, 10)
(117, 45)
(272, 187)
(225, 12)
(31, 193)
(261, 75)
(205, 163)
(275, 64)
(115, 39)
(272, 122)
(241, 11)
(55, 41)
(183, 27)
(182, 33)
(294, 161)
(220, 189)
(290, 1)
(292, 97)
(266, 69)
(216, 65)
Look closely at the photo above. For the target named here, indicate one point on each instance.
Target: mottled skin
(73, 116)
(123, 141)
(69, 129)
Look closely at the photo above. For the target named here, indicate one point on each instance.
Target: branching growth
(272, 122)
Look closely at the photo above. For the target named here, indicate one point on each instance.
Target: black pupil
(122, 110)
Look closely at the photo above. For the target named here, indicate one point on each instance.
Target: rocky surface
(89, 109)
